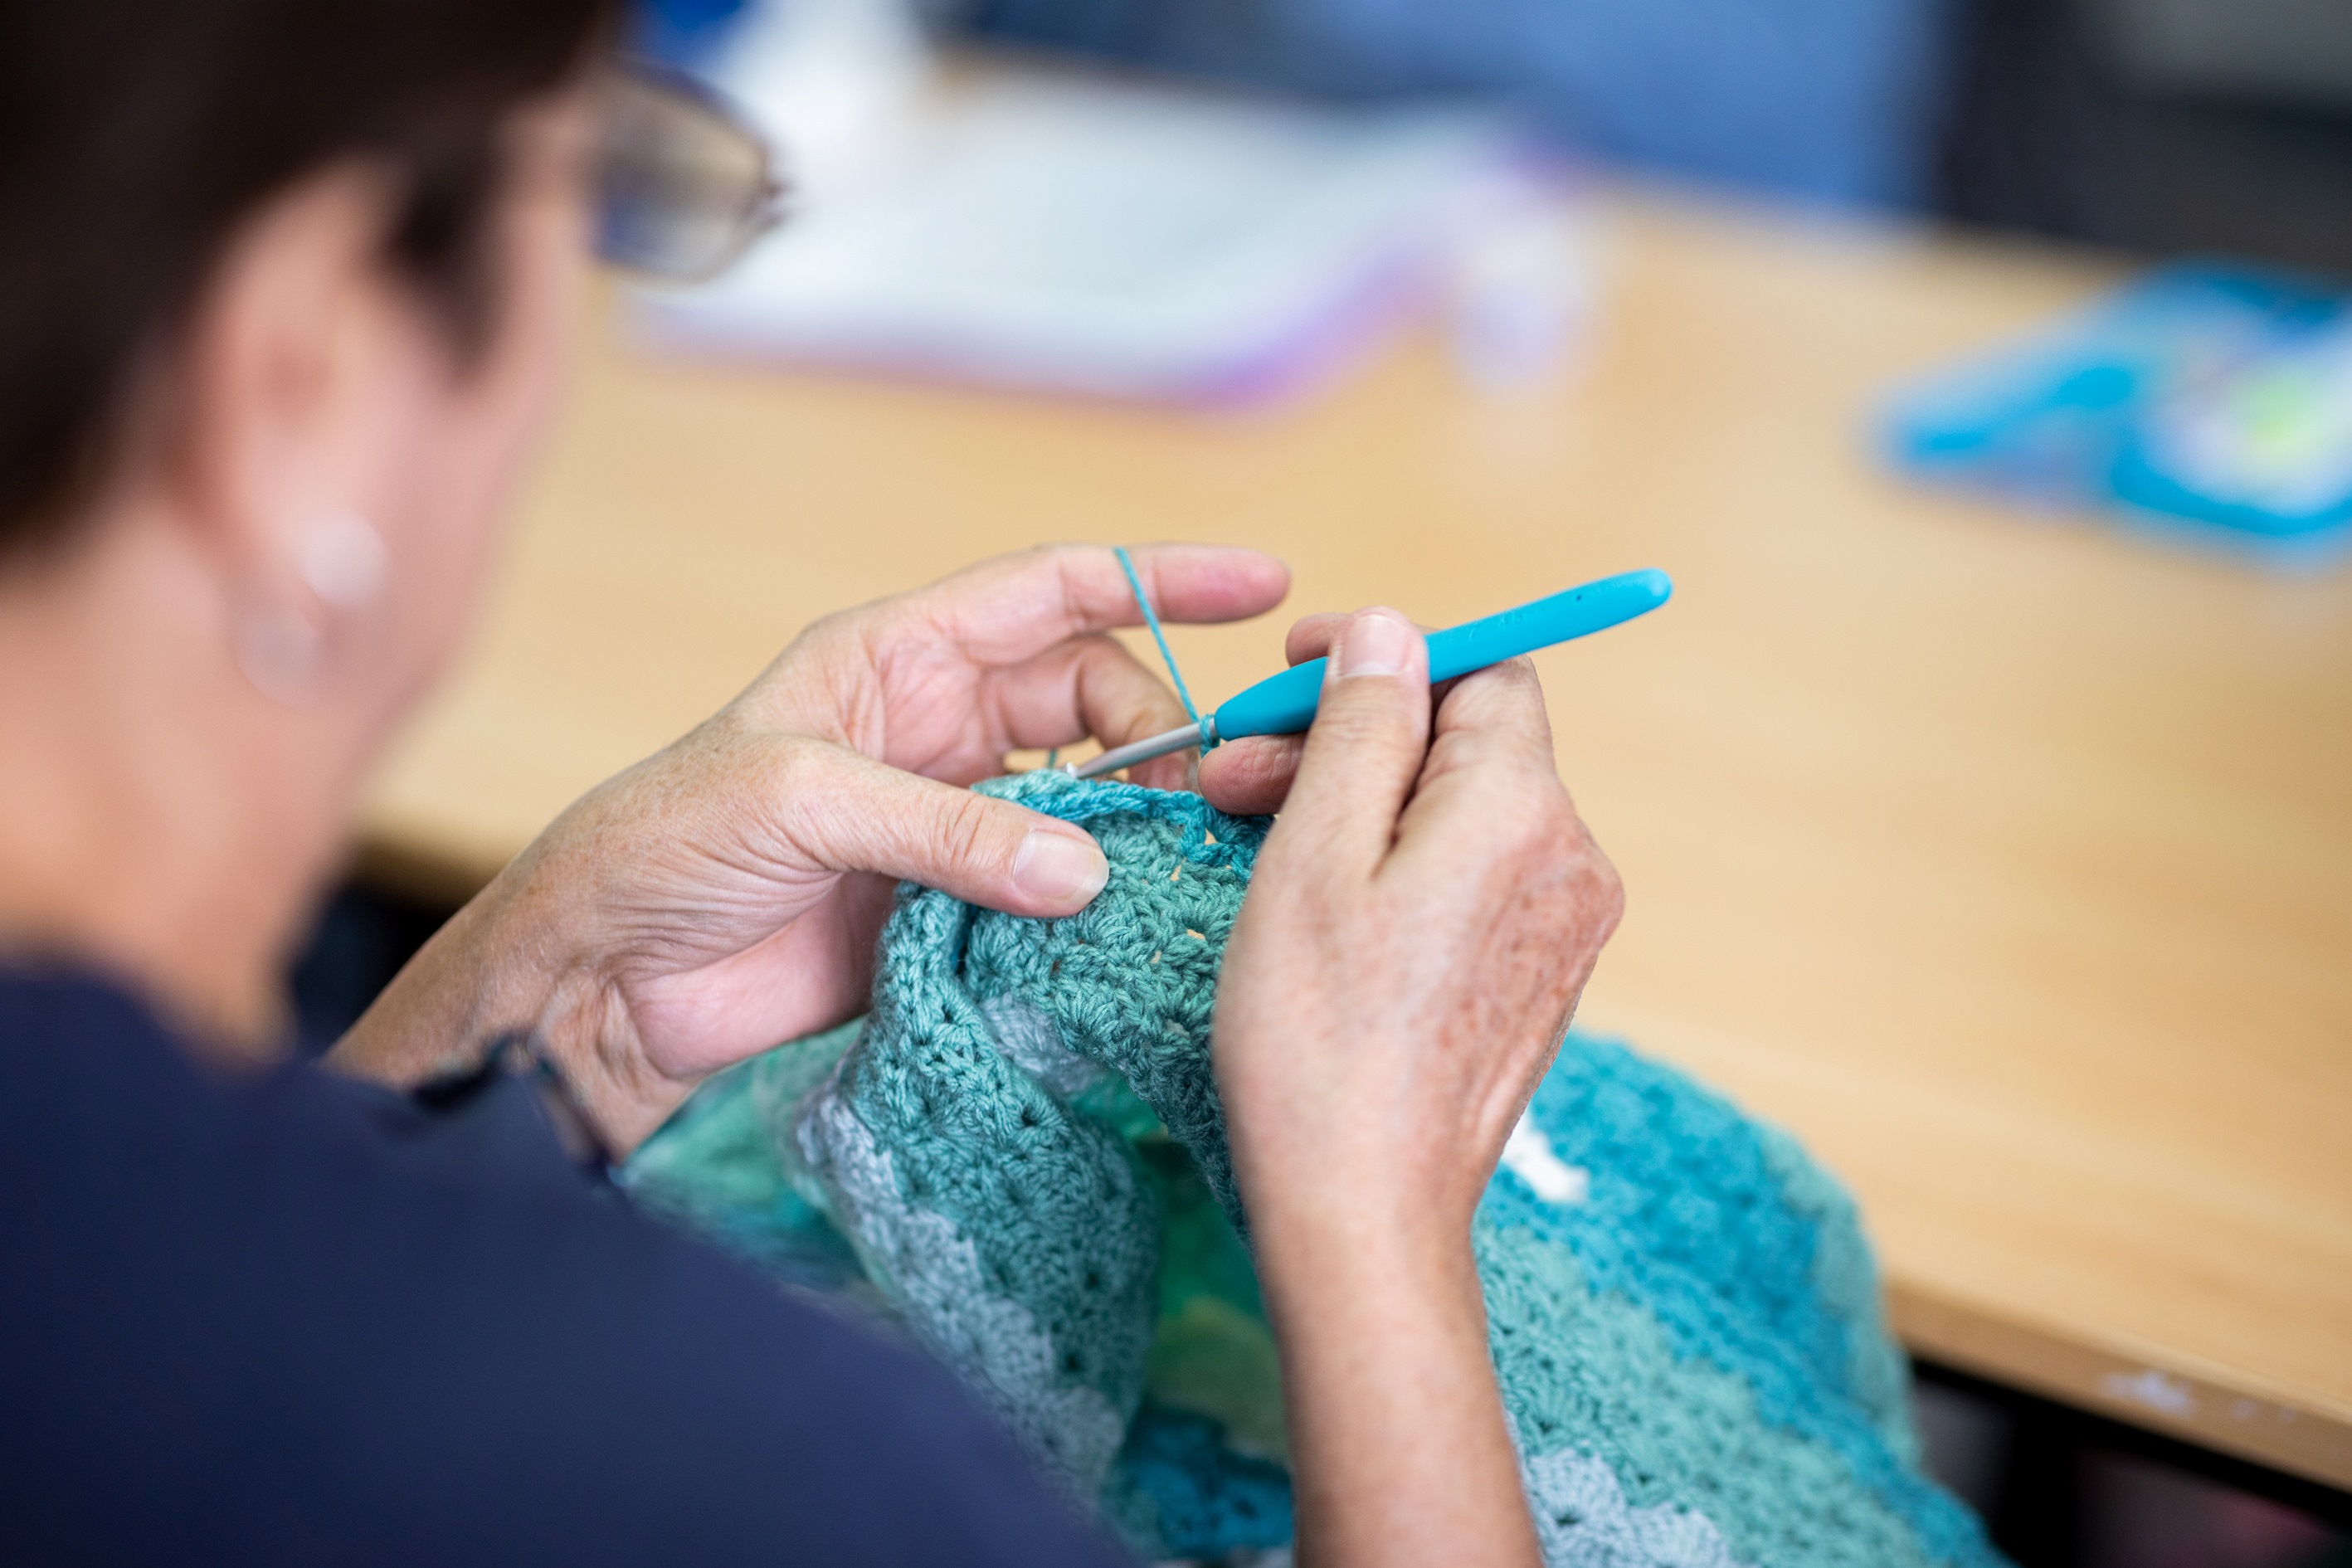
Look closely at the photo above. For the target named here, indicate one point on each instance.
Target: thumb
(855, 814)
(1365, 748)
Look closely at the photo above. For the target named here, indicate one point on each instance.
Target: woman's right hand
(1420, 924)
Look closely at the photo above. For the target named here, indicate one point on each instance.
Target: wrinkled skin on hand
(1418, 932)
(726, 894)
(825, 782)
(1421, 922)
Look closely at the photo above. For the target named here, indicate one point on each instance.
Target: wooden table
(2009, 862)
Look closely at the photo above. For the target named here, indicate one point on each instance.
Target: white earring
(279, 652)
(340, 557)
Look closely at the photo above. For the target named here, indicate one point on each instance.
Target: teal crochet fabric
(1019, 1155)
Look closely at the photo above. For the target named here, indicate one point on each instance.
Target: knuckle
(1534, 826)
(1497, 693)
(967, 828)
(1605, 894)
(1370, 710)
(736, 719)
(1070, 566)
(856, 632)
(789, 768)
(1571, 848)
(1549, 861)
(799, 778)
(1522, 844)
(1510, 675)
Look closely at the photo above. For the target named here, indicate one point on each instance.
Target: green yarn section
(717, 1168)
(1846, 1277)
(1022, 1238)
(1211, 1353)
(1021, 1153)
(1129, 982)
(1598, 1371)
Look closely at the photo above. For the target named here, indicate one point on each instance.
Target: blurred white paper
(1085, 236)
(834, 83)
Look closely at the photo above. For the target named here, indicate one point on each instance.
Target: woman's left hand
(725, 894)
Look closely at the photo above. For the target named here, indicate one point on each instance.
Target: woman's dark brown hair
(136, 135)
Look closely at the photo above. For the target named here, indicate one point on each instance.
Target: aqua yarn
(1020, 1155)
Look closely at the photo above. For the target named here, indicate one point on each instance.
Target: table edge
(2141, 1385)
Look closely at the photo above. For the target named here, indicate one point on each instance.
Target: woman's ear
(331, 454)
(299, 383)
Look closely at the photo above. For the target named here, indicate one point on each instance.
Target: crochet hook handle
(1285, 704)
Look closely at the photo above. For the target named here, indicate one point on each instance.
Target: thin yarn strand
(1151, 619)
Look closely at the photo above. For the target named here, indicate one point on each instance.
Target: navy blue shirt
(288, 1317)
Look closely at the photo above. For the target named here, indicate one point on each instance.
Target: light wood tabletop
(2007, 861)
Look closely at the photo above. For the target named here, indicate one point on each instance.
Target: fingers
(1090, 685)
(847, 812)
(934, 681)
(1364, 750)
(1311, 637)
(1015, 606)
(1490, 789)
(1496, 712)
(1251, 777)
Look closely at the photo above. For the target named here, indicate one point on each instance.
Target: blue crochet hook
(1285, 704)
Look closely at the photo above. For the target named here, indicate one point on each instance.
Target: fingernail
(1376, 642)
(1059, 868)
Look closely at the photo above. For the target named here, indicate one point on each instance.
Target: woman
(285, 294)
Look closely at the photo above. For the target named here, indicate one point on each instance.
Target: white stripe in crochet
(1583, 1521)
(1026, 1037)
(1528, 1155)
(935, 1274)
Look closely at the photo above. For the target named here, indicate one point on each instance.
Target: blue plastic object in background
(2205, 398)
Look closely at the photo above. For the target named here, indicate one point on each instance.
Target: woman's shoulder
(286, 1309)
(40, 1000)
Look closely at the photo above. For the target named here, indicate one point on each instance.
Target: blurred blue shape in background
(1830, 99)
(2205, 397)
(678, 31)
(1835, 100)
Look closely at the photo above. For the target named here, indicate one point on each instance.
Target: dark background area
(2047, 131)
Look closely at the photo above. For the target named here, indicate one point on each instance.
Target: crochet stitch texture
(1019, 1155)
